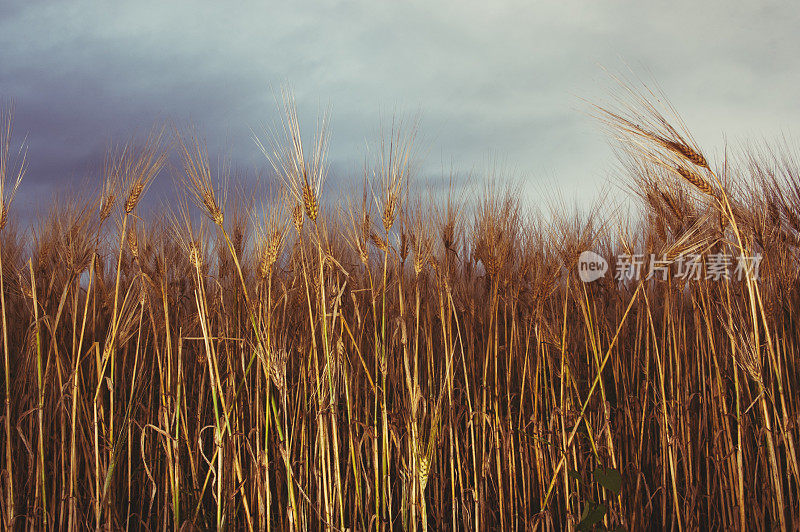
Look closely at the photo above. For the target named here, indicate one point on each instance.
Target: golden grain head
(195, 257)
(419, 264)
(25, 287)
(134, 196)
(448, 234)
(263, 264)
(379, 241)
(774, 212)
(212, 208)
(340, 348)
(671, 201)
(383, 363)
(275, 243)
(107, 207)
(310, 203)
(277, 368)
(389, 212)
(365, 225)
(423, 468)
(133, 243)
(297, 217)
(685, 151)
(695, 179)
(490, 262)
(267, 259)
(404, 246)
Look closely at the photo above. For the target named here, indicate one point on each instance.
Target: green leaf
(592, 514)
(574, 474)
(609, 478)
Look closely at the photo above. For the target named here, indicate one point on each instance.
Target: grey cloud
(500, 77)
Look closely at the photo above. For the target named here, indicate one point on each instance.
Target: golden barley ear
(198, 180)
(107, 205)
(310, 203)
(133, 243)
(685, 151)
(214, 212)
(277, 368)
(695, 179)
(379, 241)
(134, 196)
(138, 167)
(264, 265)
(302, 176)
(9, 167)
(195, 256)
(389, 212)
(423, 467)
(297, 217)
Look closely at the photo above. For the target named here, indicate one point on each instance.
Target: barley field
(288, 357)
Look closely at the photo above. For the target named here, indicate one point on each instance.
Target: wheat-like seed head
(660, 227)
(134, 195)
(297, 217)
(195, 257)
(116, 168)
(302, 176)
(271, 225)
(270, 249)
(672, 203)
(774, 210)
(389, 211)
(393, 169)
(133, 243)
(277, 369)
(695, 179)
(418, 220)
(264, 264)
(490, 262)
(106, 207)
(208, 194)
(379, 241)
(310, 202)
(419, 263)
(684, 150)
(142, 293)
(9, 167)
(423, 468)
(383, 363)
(137, 167)
(403, 246)
(25, 286)
(213, 210)
(275, 244)
(362, 236)
(340, 350)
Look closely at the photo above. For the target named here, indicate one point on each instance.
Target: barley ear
(695, 179)
(134, 196)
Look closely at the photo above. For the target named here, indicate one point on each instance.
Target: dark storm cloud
(500, 77)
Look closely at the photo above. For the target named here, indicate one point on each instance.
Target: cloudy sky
(498, 80)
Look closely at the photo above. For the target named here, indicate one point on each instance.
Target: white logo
(591, 266)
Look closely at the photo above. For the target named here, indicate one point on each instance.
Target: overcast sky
(501, 80)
